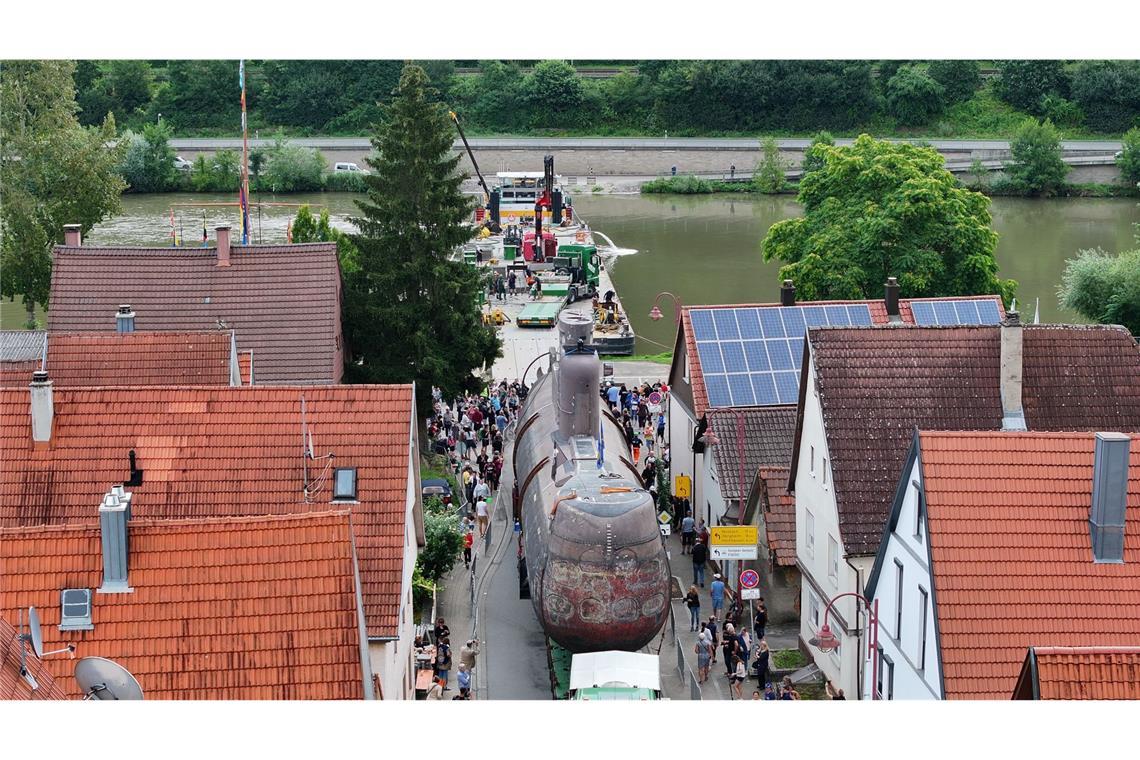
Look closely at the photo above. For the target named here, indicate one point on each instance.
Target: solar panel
(971, 311)
(752, 356)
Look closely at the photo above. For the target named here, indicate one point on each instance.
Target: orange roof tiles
(282, 300)
(1011, 556)
(1082, 673)
(12, 684)
(220, 452)
(130, 359)
(779, 515)
(255, 608)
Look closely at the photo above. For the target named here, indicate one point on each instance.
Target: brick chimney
(1013, 415)
(223, 245)
(788, 294)
(114, 517)
(891, 297)
(43, 408)
(125, 319)
(72, 235)
(1109, 497)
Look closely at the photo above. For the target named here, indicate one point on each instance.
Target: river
(705, 249)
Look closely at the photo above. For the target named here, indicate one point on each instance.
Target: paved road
(620, 143)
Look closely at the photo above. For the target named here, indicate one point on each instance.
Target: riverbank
(690, 185)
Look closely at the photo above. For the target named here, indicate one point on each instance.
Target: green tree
(205, 94)
(1129, 158)
(769, 177)
(411, 311)
(318, 229)
(813, 158)
(53, 172)
(959, 79)
(1037, 167)
(878, 209)
(291, 168)
(913, 96)
(553, 94)
(443, 541)
(1109, 94)
(1024, 84)
(148, 166)
(1104, 288)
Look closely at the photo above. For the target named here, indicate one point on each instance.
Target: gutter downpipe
(858, 633)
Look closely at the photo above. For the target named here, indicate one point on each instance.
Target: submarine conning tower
(579, 407)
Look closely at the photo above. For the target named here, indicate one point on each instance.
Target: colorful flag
(173, 229)
(241, 73)
(205, 236)
(601, 444)
(289, 231)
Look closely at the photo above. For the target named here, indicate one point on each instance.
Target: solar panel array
(752, 356)
(964, 312)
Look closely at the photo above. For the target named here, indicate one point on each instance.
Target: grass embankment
(665, 357)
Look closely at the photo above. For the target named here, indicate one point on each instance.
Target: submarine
(590, 547)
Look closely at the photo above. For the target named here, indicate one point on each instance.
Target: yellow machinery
(496, 317)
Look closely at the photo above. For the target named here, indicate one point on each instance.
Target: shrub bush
(960, 79)
(1060, 111)
(913, 96)
(218, 174)
(292, 169)
(1109, 94)
(345, 182)
(769, 176)
(684, 185)
(1037, 164)
(1023, 84)
(148, 166)
(1129, 159)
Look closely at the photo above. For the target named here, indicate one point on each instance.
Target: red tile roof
(768, 433)
(225, 451)
(1008, 517)
(12, 684)
(779, 515)
(1083, 672)
(253, 608)
(129, 359)
(283, 300)
(876, 386)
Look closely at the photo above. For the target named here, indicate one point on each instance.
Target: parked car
(181, 164)
(436, 487)
(346, 166)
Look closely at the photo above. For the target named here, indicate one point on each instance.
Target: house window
(75, 610)
(833, 560)
(344, 484)
(825, 472)
(809, 539)
(898, 599)
(923, 603)
(813, 609)
(812, 460)
(919, 514)
(886, 676)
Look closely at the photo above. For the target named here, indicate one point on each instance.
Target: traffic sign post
(732, 552)
(749, 579)
(749, 593)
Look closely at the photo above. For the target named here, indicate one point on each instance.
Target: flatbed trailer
(539, 314)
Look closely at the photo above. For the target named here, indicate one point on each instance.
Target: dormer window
(75, 610)
(344, 484)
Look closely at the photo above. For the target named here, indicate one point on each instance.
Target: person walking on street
(468, 542)
(702, 531)
(761, 618)
(738, 675)
(711, 626)
(436, 690)
(464, 680)
(468, 653)
(716, 591)
(440, 631)
(443, 660)
(699, 553)
(761, 664)
(728, 648)
(688, 533)
(703, 650)
(481, 516)
(693, 601)
(745, 644)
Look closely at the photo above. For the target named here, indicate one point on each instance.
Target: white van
(345, 166)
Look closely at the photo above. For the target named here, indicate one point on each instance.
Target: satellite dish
(103, 679)
(37, 636)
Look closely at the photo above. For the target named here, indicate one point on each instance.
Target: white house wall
(820, 584)
(903, 647)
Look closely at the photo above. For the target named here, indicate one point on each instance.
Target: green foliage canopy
(1023, 84)
(53, 172)
(913, 96)
(878, 209)
(1109, 94)
(443, 541)
(960, 79)
(1129, 160)
(1104, 288)
(769, 176)
(411, 311)
(1037, 167)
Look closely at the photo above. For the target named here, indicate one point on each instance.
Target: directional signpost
(733, 542)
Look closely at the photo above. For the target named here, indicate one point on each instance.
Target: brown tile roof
(215, 452)
(768, 434)
(1008, 517)
(876, 386)
(241, 608)
(12, 684)
(1083, 672)
(283, 301)
(779, 515)
(129, 359)
(878, 309)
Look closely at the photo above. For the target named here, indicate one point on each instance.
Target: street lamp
(655, 313)
(826, 641)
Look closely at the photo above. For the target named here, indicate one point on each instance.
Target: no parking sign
(749, 579)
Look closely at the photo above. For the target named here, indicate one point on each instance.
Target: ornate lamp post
(826, 641)
(655, 313)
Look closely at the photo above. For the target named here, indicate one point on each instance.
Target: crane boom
(474, 163)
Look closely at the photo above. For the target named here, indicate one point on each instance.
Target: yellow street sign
(683, 487)
(734, 535)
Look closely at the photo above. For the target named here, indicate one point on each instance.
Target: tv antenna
(103, 679)
(34, 635)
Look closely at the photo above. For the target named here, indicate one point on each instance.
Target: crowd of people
(441, 665)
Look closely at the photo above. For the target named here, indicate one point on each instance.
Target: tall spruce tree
(411, 311)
